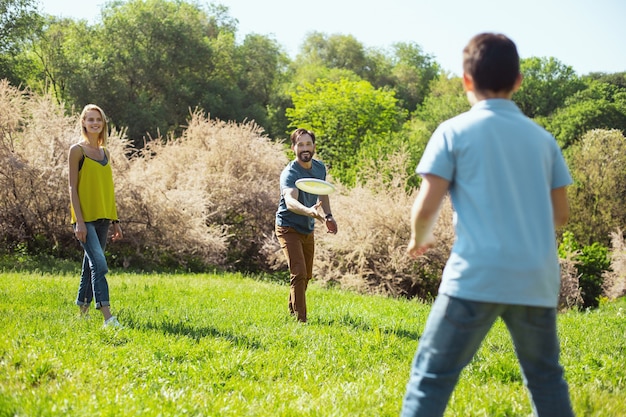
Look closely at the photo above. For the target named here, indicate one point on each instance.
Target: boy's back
(506, 177)
(502, 167)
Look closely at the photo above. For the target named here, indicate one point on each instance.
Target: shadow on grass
(197, 333)
(359, 324)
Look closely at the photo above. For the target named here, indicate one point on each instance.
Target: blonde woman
(93, 209)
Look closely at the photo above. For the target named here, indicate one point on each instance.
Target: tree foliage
(446, 99)
(343, 114)
(597, 163)
(335, 51)
(162, 60)
(405, 68)
(600, 106)
(66, 58)
(18, 21)
(150, 63)
(413, 71)
(546, 85)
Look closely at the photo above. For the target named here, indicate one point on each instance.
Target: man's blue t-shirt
(502, 167)
(293, 172)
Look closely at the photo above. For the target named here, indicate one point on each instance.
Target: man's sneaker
(113, 323)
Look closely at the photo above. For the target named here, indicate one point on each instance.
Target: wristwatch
(329, 216)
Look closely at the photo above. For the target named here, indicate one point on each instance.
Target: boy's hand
(415, 250)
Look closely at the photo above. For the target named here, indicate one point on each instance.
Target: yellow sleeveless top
(95, 191)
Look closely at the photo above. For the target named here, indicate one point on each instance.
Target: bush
(570, 293)
(596, 198)
(216, 187)
(206, 198)
(592, 261)
(34, 200)
(368, 254)
(614, 284)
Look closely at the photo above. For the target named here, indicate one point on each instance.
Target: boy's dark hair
(299, 132)
(492, 61)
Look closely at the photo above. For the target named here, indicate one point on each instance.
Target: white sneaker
(113, 323)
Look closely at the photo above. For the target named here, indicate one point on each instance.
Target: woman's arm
(74, 158)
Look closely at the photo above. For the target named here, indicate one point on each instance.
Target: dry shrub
(369, 252)
(208, 197)
(614, 284)
(34, 141)
(210, 194)
(570, 293)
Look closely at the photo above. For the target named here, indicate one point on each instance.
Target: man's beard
(305, 156)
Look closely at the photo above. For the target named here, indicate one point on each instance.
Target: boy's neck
(476, 96)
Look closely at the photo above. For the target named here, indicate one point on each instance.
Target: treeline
(150, 63)
(169, 72)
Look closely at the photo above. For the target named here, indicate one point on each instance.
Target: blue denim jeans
(454, 331)
(93, 282)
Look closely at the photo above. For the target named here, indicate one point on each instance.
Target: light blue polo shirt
(502, 167)
(288, 177)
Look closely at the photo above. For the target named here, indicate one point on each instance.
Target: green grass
(224, 345)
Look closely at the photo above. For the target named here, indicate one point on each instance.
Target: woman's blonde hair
(104, 134)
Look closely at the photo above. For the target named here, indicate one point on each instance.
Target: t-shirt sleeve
(438, 158)
(287, 179)
(560, 172)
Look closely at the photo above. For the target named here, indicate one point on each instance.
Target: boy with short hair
(506, 177)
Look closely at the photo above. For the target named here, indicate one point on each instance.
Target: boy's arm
(560, 206)
(425, 212)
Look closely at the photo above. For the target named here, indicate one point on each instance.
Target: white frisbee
(315, 186)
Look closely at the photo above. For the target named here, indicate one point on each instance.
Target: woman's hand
(117, 232)
(80, 231)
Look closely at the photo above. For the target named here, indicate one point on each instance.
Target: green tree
(342, 114)
(334, 51)
(263, 71)
(597, 163)
(65, 60)
(601, 106)
(446, 99)
(592, 261)
(158, 62)
(617, 79)
(19, 20)
(413, 71)
(546, 85)
(149, 63)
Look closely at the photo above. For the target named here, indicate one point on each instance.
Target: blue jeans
(93, 282)
(454, 331)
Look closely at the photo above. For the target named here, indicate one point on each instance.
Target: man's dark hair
(492, 61)
(299, 132)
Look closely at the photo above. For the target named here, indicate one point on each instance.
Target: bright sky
(589, 36)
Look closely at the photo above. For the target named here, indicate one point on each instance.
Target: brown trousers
(299, 250)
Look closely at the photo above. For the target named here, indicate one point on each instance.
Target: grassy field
(224, 345)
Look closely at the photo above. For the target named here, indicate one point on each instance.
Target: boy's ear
(518, 82)
(468, 82)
